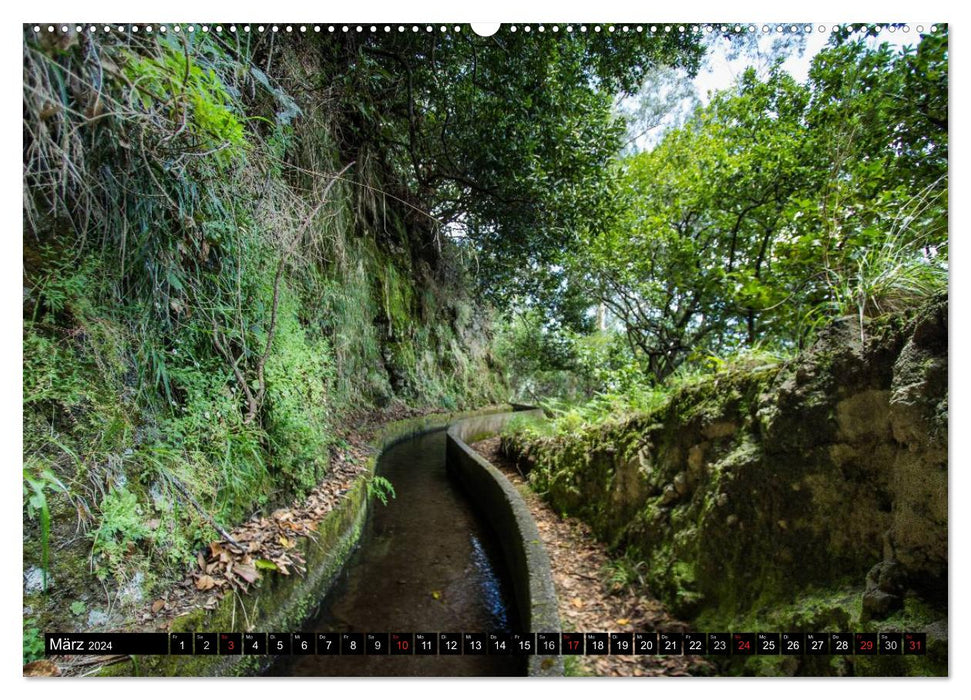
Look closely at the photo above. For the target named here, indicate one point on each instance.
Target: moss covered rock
(749, 492)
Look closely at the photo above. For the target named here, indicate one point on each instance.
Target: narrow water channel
(425, 563)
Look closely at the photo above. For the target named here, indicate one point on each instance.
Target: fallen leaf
(622, 621)
(204, 583)
(41, 667)
(158, 605)
(266, 564)
(577, 603)
(247, 572)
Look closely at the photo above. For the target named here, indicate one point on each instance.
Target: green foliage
(299, 377)
(174, 81)
(207, 429)
(540, 360)
(569, 416)
(121, 530)
(892, 277)
(505, 137)
(780, 204)
(78, 607)
(33, 642)
(379, 487)
(205, 304)
(61, 319)
(544, 361)
(624, 572)
(36, 487)
(687, 263)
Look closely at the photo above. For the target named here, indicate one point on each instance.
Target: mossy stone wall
(756, 495)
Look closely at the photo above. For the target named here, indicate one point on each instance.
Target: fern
(380, 488)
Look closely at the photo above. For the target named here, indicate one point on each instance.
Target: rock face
(884, 592)
(763, 485)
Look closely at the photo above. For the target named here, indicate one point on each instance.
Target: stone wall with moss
(808, 496)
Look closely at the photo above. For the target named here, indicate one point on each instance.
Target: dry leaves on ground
(587, 601)
(270, 542)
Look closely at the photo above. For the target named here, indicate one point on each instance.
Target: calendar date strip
(472, 643)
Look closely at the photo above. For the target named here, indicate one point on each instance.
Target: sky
(720, 72)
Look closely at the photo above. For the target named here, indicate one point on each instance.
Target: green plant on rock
(898, 274)
(36, 488)
(121, 530)
(299, 380)
(625, 572)
(379, 487)
(33, 642)
(181, 85)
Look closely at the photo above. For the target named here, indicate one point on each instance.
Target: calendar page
(438, 349)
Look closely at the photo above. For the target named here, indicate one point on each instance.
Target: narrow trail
(588, 602)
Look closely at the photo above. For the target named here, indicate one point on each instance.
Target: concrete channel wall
(506, 512)
(281, 603)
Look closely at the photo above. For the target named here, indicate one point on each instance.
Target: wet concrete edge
(504, 509)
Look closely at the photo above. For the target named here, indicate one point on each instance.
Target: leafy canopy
(506, 140)
(781, 204)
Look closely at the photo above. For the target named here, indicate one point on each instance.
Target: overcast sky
(720, 72)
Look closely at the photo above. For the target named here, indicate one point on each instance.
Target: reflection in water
(491, 591)
(425, 564)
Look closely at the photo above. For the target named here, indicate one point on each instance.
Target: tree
(689, 259)
(505, 140)
(774, 200)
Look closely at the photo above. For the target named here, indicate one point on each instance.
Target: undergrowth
(638, 397)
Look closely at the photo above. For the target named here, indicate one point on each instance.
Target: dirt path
(588, 602)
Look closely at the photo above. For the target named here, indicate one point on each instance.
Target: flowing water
(425, 563)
